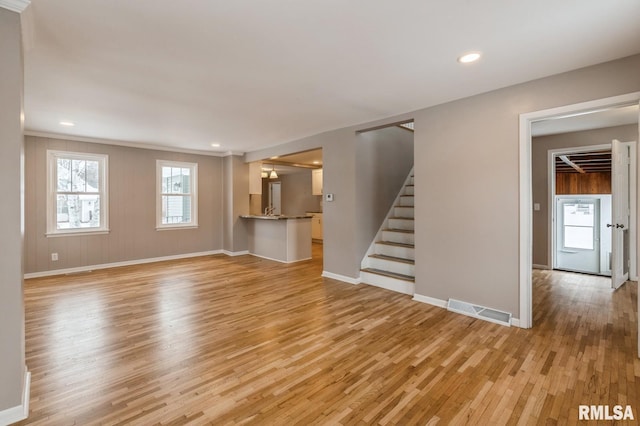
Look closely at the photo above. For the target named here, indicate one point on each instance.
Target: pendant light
(273, 174)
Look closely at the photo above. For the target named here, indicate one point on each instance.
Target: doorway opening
(530, 206)
(291, 185)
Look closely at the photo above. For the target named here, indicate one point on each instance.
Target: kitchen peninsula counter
(282, 238)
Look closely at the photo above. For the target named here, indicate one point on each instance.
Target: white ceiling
(251, 74)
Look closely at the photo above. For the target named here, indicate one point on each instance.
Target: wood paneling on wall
(132, 209)
(579, 183)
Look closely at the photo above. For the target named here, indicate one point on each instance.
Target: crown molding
(122, 143)
(15, 5)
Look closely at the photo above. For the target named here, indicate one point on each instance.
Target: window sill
(175, 228)
(76, 233)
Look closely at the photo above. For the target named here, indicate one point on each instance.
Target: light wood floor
(221, 340)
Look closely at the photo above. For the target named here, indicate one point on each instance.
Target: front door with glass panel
(578, 235)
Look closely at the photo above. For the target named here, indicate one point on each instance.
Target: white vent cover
(480, 312)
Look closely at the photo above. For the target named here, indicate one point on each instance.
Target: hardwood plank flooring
(243, 340)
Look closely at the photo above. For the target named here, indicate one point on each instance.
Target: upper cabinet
(255, 177)
(316, 182)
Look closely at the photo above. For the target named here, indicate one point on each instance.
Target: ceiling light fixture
(67, 123)
(469, 57)
(215, 145)
(316, 162)
(273, 174)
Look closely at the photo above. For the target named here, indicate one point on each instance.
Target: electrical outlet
(54, 257)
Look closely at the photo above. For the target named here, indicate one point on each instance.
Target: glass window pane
(64, 174)
(578, 237)
(78, 211)
(78, 175)
(176, 209)
(579, 214)
(93, 176)
(186, 181)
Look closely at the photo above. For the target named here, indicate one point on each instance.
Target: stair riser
(398, 237)
(391, 266)
(409, 190)
(389, 283)
(403, 211)
(411, 181)
(406, 201)
(395, 251)
(401, 224)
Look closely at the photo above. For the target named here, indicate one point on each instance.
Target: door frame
(551, 191)
(525, 263)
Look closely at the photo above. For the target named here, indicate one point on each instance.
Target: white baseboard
(515, 322)
(342, 278)
(21, 412)
(430, 300)
(118, 264)
(278, 260)
(235, 253)
(536, 266)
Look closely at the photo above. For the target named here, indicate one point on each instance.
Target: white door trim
(526, 203)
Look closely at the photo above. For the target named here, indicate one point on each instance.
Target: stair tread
(391, 243)
(400, 217)
(404, 231)
(392, 258)
(405, 207)
(389, 274)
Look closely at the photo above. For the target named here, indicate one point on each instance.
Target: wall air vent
(480, 312)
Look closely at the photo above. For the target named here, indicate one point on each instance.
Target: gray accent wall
(384, 158)
(296, 194)
(540, 175)
(467, 182)
(348, 230)
(12, 348)
(236, 203)
(466, 156)
(132, 209)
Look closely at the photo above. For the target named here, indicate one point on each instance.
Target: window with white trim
(177, 194)
(77, 197)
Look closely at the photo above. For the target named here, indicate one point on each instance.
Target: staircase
(390, 261)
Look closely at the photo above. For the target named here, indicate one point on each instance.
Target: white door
(275, 197)
(578, 234)
(619, 211)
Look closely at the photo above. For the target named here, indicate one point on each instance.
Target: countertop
(279, 217)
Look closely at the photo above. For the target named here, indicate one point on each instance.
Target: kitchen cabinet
(255, 177)
(316, 182)
(316, 226)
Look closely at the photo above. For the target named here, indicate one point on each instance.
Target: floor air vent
(481, 312)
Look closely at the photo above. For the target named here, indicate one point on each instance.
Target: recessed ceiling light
(469, 57)
(316, 162)
(274, 157)
(215, 145)
(67, 123)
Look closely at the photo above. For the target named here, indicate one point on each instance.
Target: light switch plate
(536, 206)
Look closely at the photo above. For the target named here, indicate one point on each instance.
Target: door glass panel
(579, 221)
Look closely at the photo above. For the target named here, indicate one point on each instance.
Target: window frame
(52, 193)
(193, 195)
